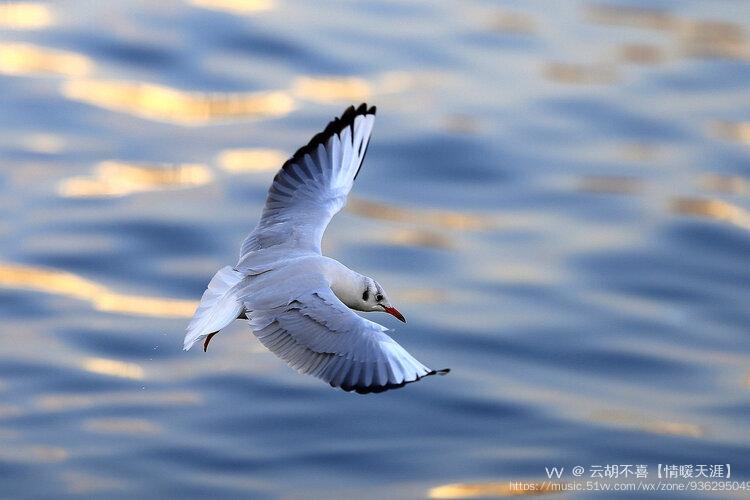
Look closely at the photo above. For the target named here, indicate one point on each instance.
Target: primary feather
(312, 186)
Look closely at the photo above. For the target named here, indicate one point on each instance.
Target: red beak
(394, 312)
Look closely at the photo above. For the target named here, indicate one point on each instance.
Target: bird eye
(378, 297)
(366, 295)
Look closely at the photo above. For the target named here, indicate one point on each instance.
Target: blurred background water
(557, 196)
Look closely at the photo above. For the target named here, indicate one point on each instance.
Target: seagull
(299, 303)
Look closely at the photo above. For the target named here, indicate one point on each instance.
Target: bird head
(374, 298)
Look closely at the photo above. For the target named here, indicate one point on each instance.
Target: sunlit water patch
(24, 59)
(71, 285)
(25, 15)
(112, 178)
(162, 103)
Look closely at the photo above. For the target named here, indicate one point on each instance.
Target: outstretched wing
(313, 184)
(318, 335)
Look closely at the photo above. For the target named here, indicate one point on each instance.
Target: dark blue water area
(564, 225)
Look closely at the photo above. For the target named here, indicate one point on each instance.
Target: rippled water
(557, 196)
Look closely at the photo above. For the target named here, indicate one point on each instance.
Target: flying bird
(299, 303)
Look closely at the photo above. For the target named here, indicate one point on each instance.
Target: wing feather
(313, 184)
(318, 335)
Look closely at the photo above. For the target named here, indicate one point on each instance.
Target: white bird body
(298, 302)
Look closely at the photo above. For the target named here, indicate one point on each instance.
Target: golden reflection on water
(521, 272)
(641, 53)
(511, 22)
(413, 237)
(237, 7)
(82, 401)
(348, 89)
(25, 59)
(694, 38)
(103, 299)
(25, 15)
(637, 17)
(461, 124)
(639, 152)
(43, 143)
(393, 82)
(161, 103)
(423, 295)
(581, 74)
(713, 39)
(490, 489)
(137, 426)
(441, 218)
(332, 89)
(729, 184)
(652, 425)
(713, 209)
(251, 160)
(113, 368)
(733, 131)
(114, 178)
(610, 184)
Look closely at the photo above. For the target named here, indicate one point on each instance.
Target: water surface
(557, 196)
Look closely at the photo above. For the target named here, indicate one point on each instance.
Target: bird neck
(346, 284)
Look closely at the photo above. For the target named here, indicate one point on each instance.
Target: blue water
(557, 197)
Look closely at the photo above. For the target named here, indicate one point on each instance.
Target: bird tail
(220, 305)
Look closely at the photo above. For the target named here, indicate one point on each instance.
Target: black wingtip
(359, 389)
(335, 126)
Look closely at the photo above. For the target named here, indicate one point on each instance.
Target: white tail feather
(219, 306)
